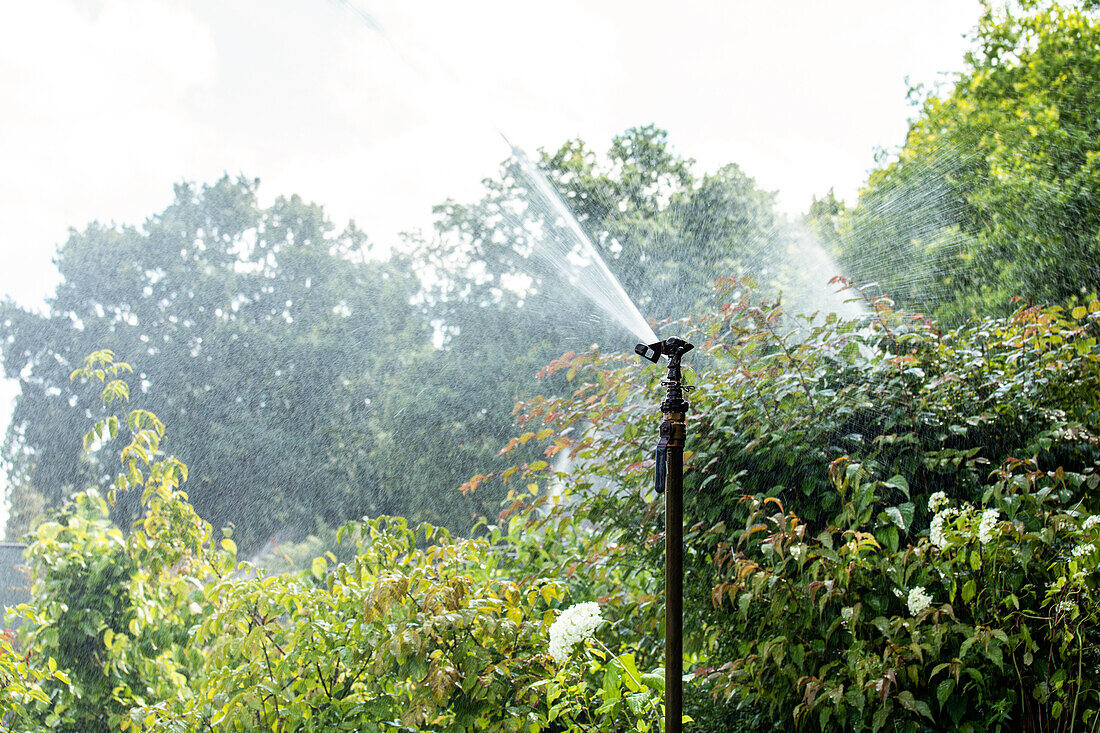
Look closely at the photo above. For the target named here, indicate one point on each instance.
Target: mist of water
(570, 252)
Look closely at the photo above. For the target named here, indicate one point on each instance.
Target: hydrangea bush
(889, 528)
(886, 523)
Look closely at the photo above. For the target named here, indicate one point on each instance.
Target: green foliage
(311, 381)
(838, 637)
(269, 340)
(412, 633)
(22, 698)
(664, 230)
(162, 630)
(867, 549)
(829, 437)
(608, 694)
(114, 610)
(994, 193)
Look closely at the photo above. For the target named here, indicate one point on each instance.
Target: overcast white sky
(105, 104)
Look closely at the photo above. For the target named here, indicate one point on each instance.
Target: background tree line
(994, 193)
(312, 379)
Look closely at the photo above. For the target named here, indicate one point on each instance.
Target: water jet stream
(576, 257)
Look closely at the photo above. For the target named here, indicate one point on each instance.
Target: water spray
(669, 480)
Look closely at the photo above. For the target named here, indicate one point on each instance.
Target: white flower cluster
(918, 601)
(938, 503)
(1066, 606)
(797, 551)
(1082, 550)
(935, 530)
(985, 528)
(574, 625)
(1091, 522)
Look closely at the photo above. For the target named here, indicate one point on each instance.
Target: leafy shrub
(114, 610)
(889, 527)
(410, 634)
(830, 436)
(21, 695)
(163, 629)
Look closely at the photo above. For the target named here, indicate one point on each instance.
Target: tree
(664, 231)
(994, 193)
(267, 338)
(313, 382)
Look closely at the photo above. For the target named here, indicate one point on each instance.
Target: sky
(379, 109)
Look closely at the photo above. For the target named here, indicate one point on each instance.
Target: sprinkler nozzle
(671, 347)
(643, 351)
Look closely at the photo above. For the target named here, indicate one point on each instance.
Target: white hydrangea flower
(918, 601)
(574, 625)
(1082, 550)
(935, 530)
(1091, 522)
(936, 501)
(985, 527)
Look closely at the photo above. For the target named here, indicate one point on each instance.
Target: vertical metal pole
(674, 428)
(669, 478)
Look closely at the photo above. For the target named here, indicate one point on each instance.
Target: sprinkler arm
(674, 404)
(672, 347)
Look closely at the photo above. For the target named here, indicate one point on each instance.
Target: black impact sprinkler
(669, 480)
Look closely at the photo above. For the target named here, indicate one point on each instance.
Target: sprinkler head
(672, 347)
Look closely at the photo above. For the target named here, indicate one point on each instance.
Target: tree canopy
(994, 193)
(265, 335)
(312, 380)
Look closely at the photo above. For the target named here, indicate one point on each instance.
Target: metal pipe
(674, 571)
(669, 479)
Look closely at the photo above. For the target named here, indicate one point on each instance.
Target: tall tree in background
(664, 231)
(995, 192)
(307, 382)
(265, 337)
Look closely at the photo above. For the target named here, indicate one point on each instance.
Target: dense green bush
(115, 610)
(814, 447)
(162, 629)
(889, 528)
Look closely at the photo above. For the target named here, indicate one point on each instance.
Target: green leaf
(632, 677)
(898, 482)
(638, 701)
(908, 702)
(880, 719)
(318, 567)
(969, 590)
(944, 690)
(611, 683)
(655, 680)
